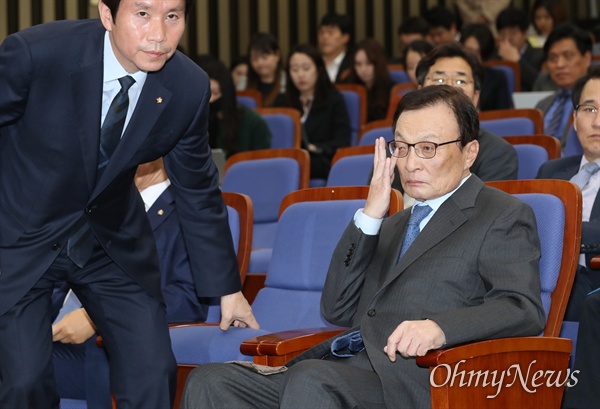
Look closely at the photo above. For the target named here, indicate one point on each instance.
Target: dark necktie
(112, 128)
(418, 214)
(553, 125)
(81, 243)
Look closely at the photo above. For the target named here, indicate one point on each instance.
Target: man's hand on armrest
(236, 311)
(414, 338)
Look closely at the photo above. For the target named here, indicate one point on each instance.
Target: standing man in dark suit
(568, 53)
(470, 274)
(80, 371)
(70, 209)
(586, 101)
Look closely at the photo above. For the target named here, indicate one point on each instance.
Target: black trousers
(132, 323)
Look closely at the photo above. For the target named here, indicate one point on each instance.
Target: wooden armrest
(277, 348)
(595, 263)
(500, 373)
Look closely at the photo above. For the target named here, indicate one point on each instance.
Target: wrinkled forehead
(433, 123)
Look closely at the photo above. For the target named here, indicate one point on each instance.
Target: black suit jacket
(51, 80)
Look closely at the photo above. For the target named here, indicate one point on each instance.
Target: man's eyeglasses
(444, 80)
(587, 110)
(425, 150)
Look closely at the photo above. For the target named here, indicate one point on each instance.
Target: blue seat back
(247, 101)
(509, 126)
(351, 171)
(550, 217)
(399, 76)
(307, 234)
(370, 136)
(282, 129)
(266, 181)
(530, 158)
(352, 101)
(572, 146)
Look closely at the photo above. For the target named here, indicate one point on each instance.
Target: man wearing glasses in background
(471, 273)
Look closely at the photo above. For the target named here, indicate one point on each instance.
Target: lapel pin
(161, 212)
(159, 100)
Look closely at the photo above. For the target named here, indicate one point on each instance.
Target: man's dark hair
(450, 50)
(463, 108)
(113, 6)
(582, 39)
(341, 21)
(440, 16)
(414, 25)
(422, 47)
(512, 17)
(592, 74)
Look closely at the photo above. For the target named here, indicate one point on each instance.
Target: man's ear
(472, 152)
(105, 15)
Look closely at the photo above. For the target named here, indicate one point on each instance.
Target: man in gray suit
(568, 53)
(470, 274)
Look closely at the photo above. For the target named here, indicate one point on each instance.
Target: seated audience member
(324, 117)
(75, 326)
(370, 69)
(585, 394)
(452, 64)
(413, 28)
(415, 50)
(239, 72)
(442, 25)
(335, 38)
(382, 286)
(568, 52)
(545, 14)
(513, 45)
(583, 170)
(265, 72)
(480, 11)
(495, 93)
(232, 126)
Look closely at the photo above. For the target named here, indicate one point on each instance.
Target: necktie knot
(418, 214)
(582, 178)
(126, 83)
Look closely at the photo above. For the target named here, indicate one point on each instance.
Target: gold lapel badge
(159, 100)
(161, 212)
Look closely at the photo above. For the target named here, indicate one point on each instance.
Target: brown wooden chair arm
(279, 347)
(595, 263)
(534, 371)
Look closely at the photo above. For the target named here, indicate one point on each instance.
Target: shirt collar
(113, 70)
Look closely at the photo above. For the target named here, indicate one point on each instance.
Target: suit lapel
(86, 86)
(151, 103)
(449, 217)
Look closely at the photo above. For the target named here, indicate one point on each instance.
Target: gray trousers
(312, 383)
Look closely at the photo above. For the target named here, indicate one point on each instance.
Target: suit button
(56, 247)
(371, 313)
(88, 209)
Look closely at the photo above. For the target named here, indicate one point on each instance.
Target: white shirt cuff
(367, 224)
